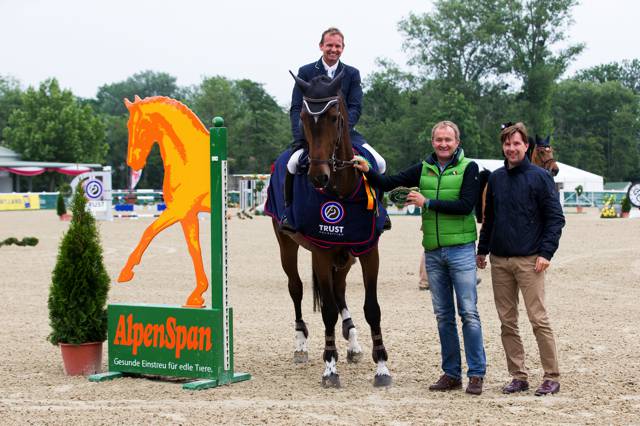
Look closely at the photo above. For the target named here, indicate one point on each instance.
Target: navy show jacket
(351, 92)
(523, 215)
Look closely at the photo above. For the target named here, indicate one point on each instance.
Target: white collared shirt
(331, 70)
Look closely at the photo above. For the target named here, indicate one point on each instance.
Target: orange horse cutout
(184, 146)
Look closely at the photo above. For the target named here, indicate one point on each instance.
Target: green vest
(441, 229)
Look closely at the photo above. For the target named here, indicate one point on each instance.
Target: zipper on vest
(437, 198)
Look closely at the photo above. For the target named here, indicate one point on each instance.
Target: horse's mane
(197, 123)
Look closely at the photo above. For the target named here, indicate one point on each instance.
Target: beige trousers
(510, 275)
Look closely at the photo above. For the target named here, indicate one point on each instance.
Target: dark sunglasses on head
(507, 124)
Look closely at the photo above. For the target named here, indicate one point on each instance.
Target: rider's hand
(361, 164)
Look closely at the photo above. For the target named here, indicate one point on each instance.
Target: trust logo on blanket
(332, 213)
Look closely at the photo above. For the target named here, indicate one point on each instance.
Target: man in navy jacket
(522, 227)
(331, 45)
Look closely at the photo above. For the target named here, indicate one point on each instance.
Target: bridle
(548, 160)
(335, 163)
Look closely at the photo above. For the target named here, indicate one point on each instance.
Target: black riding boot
(387, 223)
(285, 225)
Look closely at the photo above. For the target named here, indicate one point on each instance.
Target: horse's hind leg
(289, 261)
(166, 219)
(349, 331)
(370, 263)
(191, 230)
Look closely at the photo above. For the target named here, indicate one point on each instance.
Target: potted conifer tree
(61, 207)
(625, 207)
(78, 293)
(579, 191)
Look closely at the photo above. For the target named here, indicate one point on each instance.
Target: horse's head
(323, 118)
(542, 154)
(142, 134)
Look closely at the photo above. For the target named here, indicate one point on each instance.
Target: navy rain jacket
(523, 215)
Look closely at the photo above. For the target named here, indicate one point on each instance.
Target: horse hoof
(300, 357)
(382, 381)
(125, 275)
(354, 357)
(331, 381)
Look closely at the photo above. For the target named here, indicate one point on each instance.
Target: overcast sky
(88, 43)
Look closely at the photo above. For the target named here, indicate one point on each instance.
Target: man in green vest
(449, 189)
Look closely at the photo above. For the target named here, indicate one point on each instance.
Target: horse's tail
(483, 178)
(317, 301)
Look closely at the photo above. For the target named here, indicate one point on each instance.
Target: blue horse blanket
(324, 219)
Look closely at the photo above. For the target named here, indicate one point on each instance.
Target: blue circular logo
(93, 189)
(332, 212)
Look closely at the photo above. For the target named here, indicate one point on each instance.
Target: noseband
(333, 162)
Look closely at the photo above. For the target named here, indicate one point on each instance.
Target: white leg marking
(382, 369)
(354, 346)
(330, 368)
(301, 342)
(345, 314)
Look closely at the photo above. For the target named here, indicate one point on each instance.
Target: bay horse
(324, 119)
(184, 147)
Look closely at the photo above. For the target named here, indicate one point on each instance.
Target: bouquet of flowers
(608, 210)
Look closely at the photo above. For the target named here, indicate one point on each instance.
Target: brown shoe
(548, 387)
(475, 385)
(446, 383)
(516, 386)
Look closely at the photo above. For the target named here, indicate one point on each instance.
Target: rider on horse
(331, 45)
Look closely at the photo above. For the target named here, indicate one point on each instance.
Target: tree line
(478, 63)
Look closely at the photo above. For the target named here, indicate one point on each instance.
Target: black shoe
(285, 226)
(387, 223)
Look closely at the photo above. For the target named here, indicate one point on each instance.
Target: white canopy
(567, 179)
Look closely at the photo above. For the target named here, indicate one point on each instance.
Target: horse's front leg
(322, 268)
(370, 263)
(191, 230)
(289, 262)
(349, 331)
(166, 219)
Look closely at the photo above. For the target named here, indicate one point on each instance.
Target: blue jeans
(453, 270)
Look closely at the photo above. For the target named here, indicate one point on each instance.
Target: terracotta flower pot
(579, 209)
(82, 359)
(65, 217)
(624, 214)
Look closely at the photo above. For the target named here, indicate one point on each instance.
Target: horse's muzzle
(319, 181)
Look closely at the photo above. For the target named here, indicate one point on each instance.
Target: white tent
(567, 179)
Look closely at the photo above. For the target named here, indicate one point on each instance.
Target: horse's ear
(127, 103)
(136, 98)
(547, 141)
(303, 85)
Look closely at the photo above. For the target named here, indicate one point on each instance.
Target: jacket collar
(458, 155)
(524, 165)
(320, 67)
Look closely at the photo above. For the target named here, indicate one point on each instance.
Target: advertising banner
(19, 202)
(164, 340)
